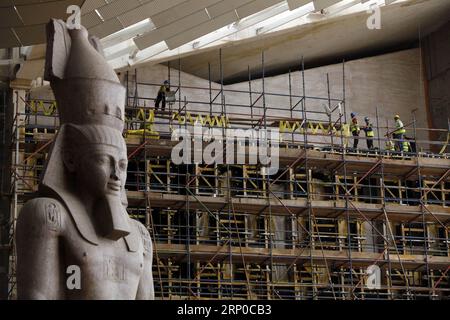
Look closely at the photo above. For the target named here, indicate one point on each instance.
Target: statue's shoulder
(144, 235)
(40, 212)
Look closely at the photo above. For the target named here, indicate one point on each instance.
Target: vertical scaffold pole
(250, 94)
(330, 122)
(210, 90)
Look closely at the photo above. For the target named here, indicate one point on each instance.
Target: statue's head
(91, 102)
(96, 158)
(88, 160)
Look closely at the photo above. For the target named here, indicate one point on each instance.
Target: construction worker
(355, 130)
(162, 95)
(406, 146)
(368, 129)
(399, 132)
(412, 144)
(390, 146)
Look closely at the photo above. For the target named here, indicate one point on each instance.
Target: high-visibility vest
(163, 89)
(354, 126)
(406, 146)
(399, 127)
(369, 131)
(390, 146)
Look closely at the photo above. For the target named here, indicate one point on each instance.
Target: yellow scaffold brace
(149, 133)
(214, 121)
(36, 106)
(445, 144)
(148, 116)
(141, 115)
(297, 126)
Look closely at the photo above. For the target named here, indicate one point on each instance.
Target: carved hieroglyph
(76, 240)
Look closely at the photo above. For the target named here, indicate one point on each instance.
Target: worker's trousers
(369, 143)
(399, 142)
(160, 98)
(355, 139)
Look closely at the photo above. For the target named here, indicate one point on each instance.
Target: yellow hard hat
(397, 116)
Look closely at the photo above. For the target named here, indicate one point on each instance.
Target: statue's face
(102, 170)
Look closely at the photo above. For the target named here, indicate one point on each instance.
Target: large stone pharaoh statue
(76, 241)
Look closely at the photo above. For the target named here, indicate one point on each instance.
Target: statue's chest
(105, 267)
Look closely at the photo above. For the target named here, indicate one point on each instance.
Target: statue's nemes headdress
(90, 101)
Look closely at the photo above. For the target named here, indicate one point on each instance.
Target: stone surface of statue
(76, 240)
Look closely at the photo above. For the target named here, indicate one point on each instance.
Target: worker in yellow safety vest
(162, 92)
(406, 146)
(368, 129)
(399, 132)
(389, 144)
(354, 128)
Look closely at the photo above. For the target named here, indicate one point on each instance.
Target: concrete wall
(437, 61)
(390, 82)
(393, 83)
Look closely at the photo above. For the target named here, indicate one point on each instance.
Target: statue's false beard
(111, 217)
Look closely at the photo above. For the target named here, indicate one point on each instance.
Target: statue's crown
(86, 88)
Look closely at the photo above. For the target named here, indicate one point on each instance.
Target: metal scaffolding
(310, 231)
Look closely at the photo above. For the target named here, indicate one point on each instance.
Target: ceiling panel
(255, 6)
(322, 4)
(42, 12)
(170, 30)
(8, 38)
(183, 24)
(241, 26)
(180, 11)
(21, 2)
(134, 16)
(126, 35)
(29, 35)
(287, 18)
(294, 4)
(9, 18)
(106, 28)
(129, 14)
(117, 7)
(156, 6)
(201, 30)
(225, 6)
(90, 20)
(90, 5)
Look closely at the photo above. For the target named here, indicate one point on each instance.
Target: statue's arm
(37, 241)
(146, 289)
